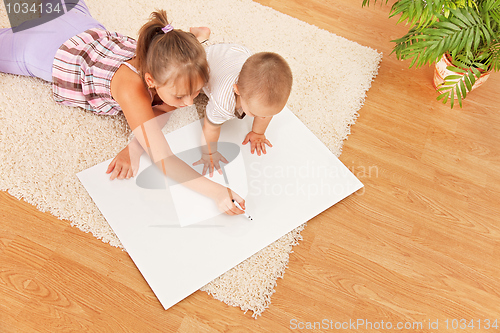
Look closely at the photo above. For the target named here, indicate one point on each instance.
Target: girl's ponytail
(147, 34)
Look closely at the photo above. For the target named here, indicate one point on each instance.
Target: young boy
(242, 84)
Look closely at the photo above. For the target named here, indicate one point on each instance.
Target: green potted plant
(461, 36)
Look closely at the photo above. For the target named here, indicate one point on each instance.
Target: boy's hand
(211, 161)
(257, 142)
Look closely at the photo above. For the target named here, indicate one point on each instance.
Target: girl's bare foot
(201, 33)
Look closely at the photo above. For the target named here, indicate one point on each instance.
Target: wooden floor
(420, 244)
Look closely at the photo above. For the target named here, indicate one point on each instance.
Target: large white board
(180, 241)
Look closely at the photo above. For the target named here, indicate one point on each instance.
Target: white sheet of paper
(180, 241)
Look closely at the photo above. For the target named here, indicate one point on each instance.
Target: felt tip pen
(246, 215)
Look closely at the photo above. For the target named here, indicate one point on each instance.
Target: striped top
(225, 62)
(83, 68)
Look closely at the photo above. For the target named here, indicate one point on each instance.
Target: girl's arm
(126, 164)
(129, 91)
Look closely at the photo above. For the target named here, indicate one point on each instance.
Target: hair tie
(167, 28)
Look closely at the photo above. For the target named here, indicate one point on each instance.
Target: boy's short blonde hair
(266, 76)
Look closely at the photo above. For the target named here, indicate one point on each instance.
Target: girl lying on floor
(107, 73)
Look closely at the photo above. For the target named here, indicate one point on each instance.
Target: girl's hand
(122, 167)
(225, 202)
(258, 142)
(211, 161)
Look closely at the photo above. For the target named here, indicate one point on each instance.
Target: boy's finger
(219, 169)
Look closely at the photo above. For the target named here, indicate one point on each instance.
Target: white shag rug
(43, 145)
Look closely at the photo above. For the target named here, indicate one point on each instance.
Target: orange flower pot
(440, 72)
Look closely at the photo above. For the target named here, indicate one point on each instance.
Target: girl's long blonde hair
(170, 56)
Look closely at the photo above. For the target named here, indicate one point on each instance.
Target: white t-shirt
(225, 62)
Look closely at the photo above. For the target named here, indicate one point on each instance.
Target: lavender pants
(31, 52)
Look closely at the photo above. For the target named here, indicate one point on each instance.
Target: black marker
(246, 215)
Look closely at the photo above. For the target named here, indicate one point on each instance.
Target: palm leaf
(463, 89)
(459, 95)
(456, 36)
(459, 84)
(494, 60)
(467, 82)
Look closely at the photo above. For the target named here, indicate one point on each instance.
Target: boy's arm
(210, 157)
(260, 124)
(257, 137)
(211, 134)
